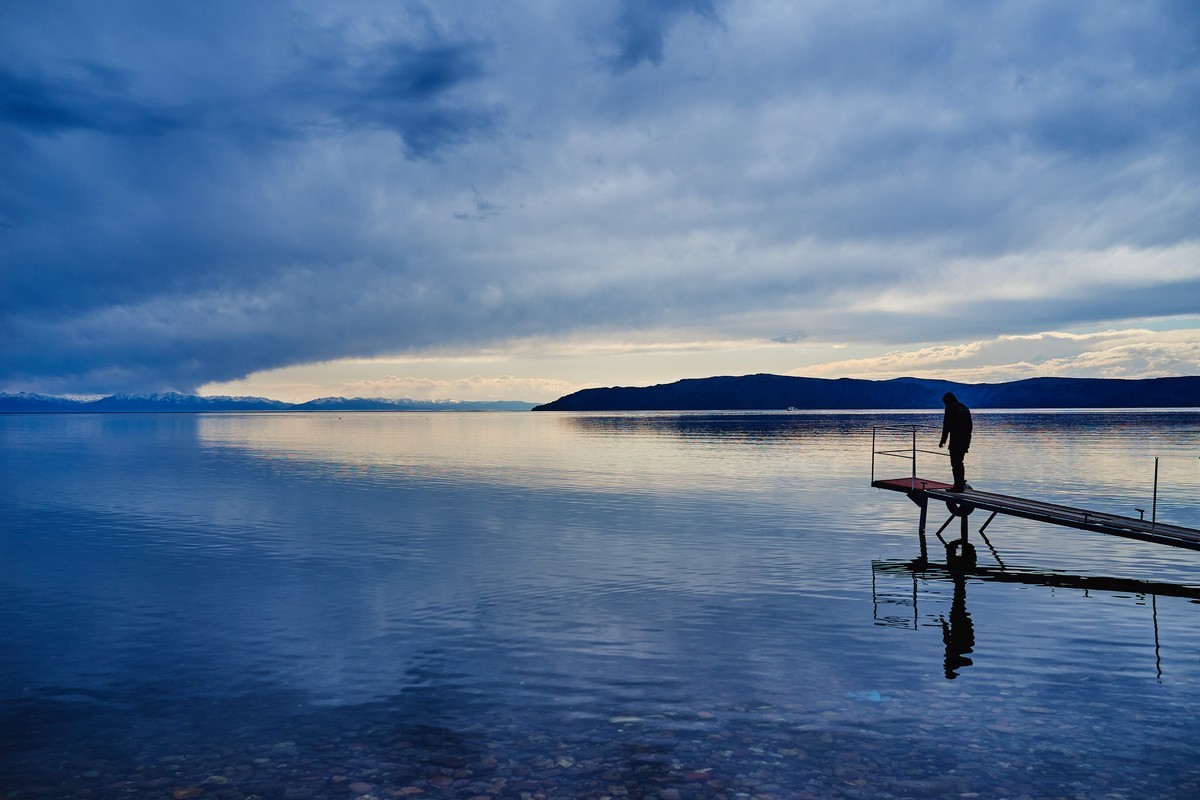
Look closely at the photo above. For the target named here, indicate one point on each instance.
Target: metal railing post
(874, 428)
(1154, 508)
(914, 455)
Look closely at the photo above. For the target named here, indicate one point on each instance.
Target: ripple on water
(670, 605)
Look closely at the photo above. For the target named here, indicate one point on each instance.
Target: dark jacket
(956, 425)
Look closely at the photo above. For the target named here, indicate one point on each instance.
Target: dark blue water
(553, 606)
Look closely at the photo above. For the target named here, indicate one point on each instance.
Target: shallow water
(635, 605)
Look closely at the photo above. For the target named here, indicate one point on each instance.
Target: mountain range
(764, 392)
(24, 402)
(733, 393)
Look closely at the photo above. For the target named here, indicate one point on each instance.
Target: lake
(477, 605)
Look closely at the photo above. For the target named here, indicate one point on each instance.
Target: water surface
(584, 605)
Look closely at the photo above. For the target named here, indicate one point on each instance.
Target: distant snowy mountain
(380, 404)
(174, 401)
(25, 402)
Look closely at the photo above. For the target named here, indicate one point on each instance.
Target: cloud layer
(191, 193)
(1130, 353)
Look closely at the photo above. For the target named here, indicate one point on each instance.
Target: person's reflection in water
(959, 632)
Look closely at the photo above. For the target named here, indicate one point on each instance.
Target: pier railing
(890, 438)
(900, 441)
(1154, 491)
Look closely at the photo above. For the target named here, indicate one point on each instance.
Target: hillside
(764, 392)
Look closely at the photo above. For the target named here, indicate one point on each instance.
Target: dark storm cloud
(396, 86)
(639, 30)
(170, 201)
(402, 88)
(192, 192)
(96, 102)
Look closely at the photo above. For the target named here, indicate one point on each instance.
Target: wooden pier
(961, 504)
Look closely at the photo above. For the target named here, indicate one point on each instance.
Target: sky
(511, 201)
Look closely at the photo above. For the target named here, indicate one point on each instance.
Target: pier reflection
(901, 588)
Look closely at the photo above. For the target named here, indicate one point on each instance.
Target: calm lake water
(585, 605)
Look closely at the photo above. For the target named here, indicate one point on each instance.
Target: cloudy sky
(512, 200)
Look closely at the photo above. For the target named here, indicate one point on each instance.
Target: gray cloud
(193, 193)
(401, 88)
(639, 29)
(97, 101)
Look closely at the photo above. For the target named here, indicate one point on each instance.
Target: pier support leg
(921, 531)
(960, 554)
(922, 503)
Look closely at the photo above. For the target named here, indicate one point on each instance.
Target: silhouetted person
(956, 426)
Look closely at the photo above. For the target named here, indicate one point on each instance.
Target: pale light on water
(642, 605)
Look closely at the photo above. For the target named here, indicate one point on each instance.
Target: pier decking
(921, 490)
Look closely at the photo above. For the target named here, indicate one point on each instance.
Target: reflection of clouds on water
(665, 453)
(294, 566)
(465, 571)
